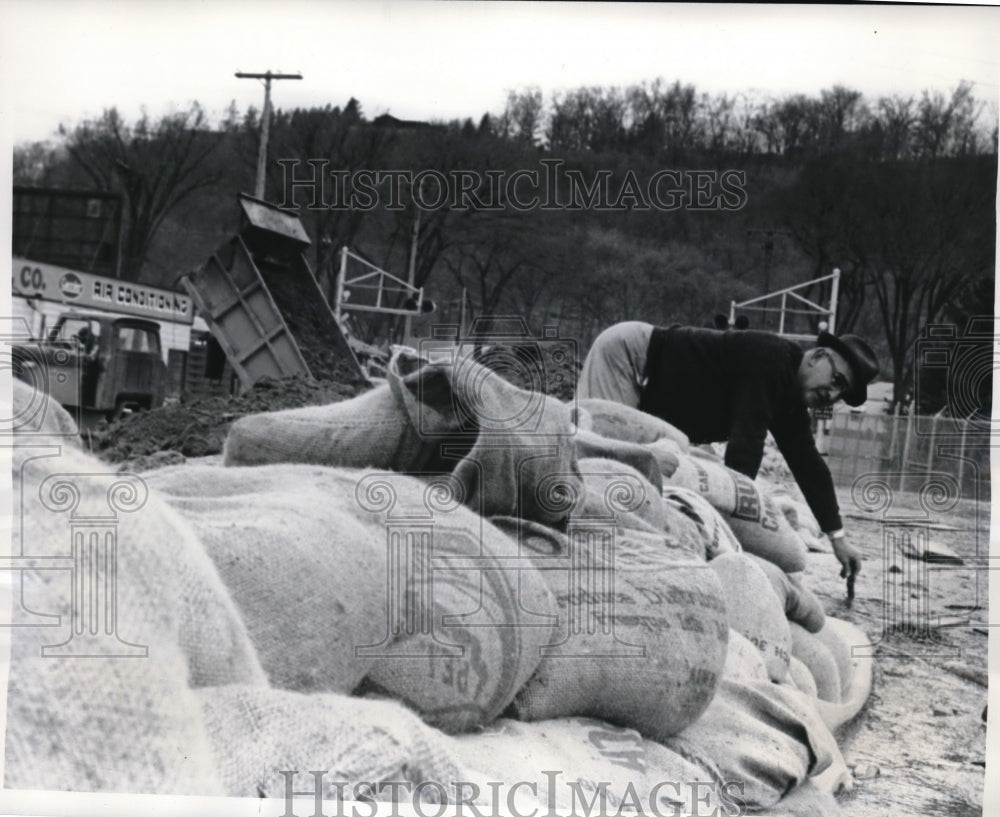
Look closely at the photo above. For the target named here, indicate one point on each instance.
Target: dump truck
(96, 362)
(264, 306)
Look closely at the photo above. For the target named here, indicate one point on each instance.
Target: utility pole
(769, 235)
(412, 266)
(411, 274)
(265, 122)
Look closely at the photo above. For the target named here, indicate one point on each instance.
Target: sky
(62, 61)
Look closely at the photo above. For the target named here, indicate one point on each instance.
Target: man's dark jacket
(736, 386)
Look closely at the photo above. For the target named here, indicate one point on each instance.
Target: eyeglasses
(838, 380)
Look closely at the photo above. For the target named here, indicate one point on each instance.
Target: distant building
(77, 229)
(387, 120)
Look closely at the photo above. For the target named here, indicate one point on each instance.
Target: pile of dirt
(310, 321)
(547, 366)
(197, 427)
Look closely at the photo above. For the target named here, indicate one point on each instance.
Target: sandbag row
(631, 628)
(764, 520)
(698, 526)
(757, 523)
(654, 592)
(642, 634)
(336, 591)
(509, 450)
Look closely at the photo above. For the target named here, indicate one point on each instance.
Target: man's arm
(795, 441)
(793, 435)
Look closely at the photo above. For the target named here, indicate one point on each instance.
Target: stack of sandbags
(157, 688)
(585, 766)
(269, 742)
(510, 450)
(344, 575)
(618, 492)
(715, 532)
(622, 495)
(767, 739)
(305, 563)
(800, 517)
(763, 604)
(642, 631)
(757, 523)
(621, 422)
(479, 613)
(129, 617)
(833, 665)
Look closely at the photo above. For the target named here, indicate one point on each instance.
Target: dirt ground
(918, 747)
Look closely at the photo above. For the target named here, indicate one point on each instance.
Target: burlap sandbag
(744, 659)
(667, 453)
(795, 510)
(853, 654)
(828, 658)
(800, 518)
(841, 652)
(512, 451)
(153, 618)
(588, 445)
(718, 537)
(34, 413)
(683, 528)
(586, 766)
(355, 744)
(799, 602)
(306, 563)
(821, 664)
(765, 738)
(807, 800)
(642, 631)
(369, 430)
(621, 422)
(760, 527)
(615, 490)
(477, 615)
(801, 677)
(754, 610)
(618, 494)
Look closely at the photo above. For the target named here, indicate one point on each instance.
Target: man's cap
(861, 359)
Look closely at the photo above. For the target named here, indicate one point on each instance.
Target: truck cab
(97, 363)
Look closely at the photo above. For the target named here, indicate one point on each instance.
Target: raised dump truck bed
(263, 305)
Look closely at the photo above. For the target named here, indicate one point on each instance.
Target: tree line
(897, 192)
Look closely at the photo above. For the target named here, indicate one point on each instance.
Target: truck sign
(35, 279)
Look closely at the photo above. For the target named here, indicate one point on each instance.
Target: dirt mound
(197, 427)
(310, 321)
(545, 366)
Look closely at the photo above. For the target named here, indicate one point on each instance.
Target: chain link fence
(910, 447)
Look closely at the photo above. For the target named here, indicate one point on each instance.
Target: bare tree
(522, 118)
(157, 165)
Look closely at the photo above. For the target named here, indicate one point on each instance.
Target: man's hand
(849, 558)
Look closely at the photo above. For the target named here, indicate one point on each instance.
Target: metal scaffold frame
(812, 308)
(383, 283)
